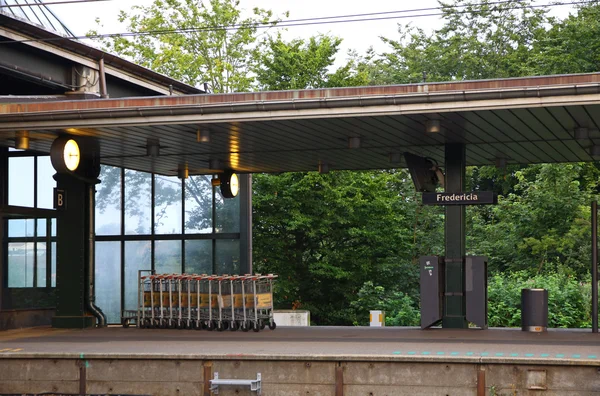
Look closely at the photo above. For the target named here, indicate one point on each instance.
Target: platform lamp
(183, 171)
(203, 135)
(595, 151)
(433, 126)
(323, 167)
(152, 147)
(395, 158)
(581, 134)
(354, 142)
(22, 140)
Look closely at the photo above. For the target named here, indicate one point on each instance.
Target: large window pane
(41, 265)
(53, 262)
(20, 264)
(21, 228)
(20, 181)
(45, 183)
(137, 257)
(167, 257)
(167, 205)
(198, 204)
(108, 202)
(41, 227)
(227, 256)
(198, 257)
(227, 213)
(138, 202)
(108, 279)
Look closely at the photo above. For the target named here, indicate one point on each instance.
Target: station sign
(467, 198)
(60, 199)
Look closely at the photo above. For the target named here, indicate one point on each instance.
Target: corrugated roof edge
(36, 32)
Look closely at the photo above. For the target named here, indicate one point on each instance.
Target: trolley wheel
(196, 325)
(156, 324)
(210, 326)
(255, 327)
(272, 325)
(262, 324)
(233, 326)
(245, 326)
(220, 326)
(163, 323)
(189, 325)
(171, 324)
(142, 324)
(179, 325)
(125, 323)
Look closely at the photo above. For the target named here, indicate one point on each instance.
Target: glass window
(198, 257)
(227, 213)
(167, 257)
(21, 228)
(41, 265)
(108, 202)
(20, 181)
(53, 227)
(167, 205)
(138, 202)
(137, 257)
(20, 264)
(227, 256)
(41, 227)
(53, 263)
(108, 279)
(198, 204)
(45, 183)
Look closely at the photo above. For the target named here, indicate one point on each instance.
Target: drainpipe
(90, 296)
(103, 89)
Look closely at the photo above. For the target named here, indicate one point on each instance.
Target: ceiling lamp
(22, 140)
(582, 134)
(500, 162)
(595, 151)
(433, 126)
(323, 167)
(354, 142)
(203, 136)
(395, 158)
(183, 172)
(215, 163)
(152, 147)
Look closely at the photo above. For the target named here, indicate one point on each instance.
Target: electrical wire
(299, 22)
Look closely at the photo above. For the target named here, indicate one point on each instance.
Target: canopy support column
(454, 315)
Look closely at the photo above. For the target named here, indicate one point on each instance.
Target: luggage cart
(207, 302)
(260, 300)
(136, 316)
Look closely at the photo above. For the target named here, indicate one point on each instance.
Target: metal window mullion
(214, 229)
(183, 225)
(152, 244)
(122, 242)
(49, 252)
(35, 221)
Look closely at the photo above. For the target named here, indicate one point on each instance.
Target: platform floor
(314, 343)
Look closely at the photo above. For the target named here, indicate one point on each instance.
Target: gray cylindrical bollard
(534, 310)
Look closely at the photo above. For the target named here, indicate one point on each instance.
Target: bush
(400, 308)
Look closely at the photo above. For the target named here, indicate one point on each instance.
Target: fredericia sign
(469, 198)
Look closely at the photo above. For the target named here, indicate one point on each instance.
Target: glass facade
(167, 225)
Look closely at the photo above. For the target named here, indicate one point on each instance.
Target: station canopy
(517, 121)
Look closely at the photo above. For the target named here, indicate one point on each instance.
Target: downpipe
(90, 295)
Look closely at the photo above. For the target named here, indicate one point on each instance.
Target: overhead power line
(367, 17)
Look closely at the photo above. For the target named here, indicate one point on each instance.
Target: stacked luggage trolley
(221, 302)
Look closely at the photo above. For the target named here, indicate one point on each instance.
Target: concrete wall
(291, 317)
(20, 318)
(175, 377)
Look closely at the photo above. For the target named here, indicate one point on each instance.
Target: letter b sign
(60, 199)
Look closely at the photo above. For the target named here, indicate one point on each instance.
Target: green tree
(302, 64)
(194, 41)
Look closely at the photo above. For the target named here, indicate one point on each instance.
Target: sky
(80, 18)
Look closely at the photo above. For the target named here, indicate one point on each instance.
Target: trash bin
(534, 310)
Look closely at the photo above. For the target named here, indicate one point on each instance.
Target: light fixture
(215, 181)
(500, 162)
(152, 147)
(323, 167)
(354, 142)
(22, 140)
(183, 172)
(215, 163)
(395, 158)
(595, 150)
(582, 134)
(203, 135)
(433, 126)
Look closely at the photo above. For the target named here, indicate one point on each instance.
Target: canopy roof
(521, 120)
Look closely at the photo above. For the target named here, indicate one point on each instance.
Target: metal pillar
(454, 315)
(595, 267)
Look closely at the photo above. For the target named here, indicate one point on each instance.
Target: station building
(143, 219)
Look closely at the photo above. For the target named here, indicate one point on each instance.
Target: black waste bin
(534, 310)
